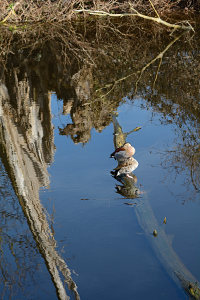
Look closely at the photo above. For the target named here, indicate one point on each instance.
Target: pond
(69, 227)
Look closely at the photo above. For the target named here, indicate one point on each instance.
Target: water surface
(65, 230)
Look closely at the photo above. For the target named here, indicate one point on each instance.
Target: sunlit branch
(154, 9)
(159, 56)
(101, 13)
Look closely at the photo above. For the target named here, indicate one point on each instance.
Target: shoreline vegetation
(79, 26)
(19, 15)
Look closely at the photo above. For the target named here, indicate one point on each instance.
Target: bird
(123, 152)
(126, 167)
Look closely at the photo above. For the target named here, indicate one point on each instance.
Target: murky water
(70, 228)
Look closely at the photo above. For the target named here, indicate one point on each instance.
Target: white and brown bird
(126, 167)
(123, 152)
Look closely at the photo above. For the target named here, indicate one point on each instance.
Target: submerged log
(161, 244)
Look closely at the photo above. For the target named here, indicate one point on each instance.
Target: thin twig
(157, 73)
(154, 9)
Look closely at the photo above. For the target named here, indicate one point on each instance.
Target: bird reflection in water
(127, 188)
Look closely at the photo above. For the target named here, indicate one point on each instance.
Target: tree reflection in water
(18, 251)
(26, 149)
(91, 72)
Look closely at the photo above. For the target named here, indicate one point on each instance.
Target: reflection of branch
(113, 84)
(159, 56)
(135, 14)
(183, 159)
(157, 73)
(192, 173)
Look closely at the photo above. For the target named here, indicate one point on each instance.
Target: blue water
(97, 234)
